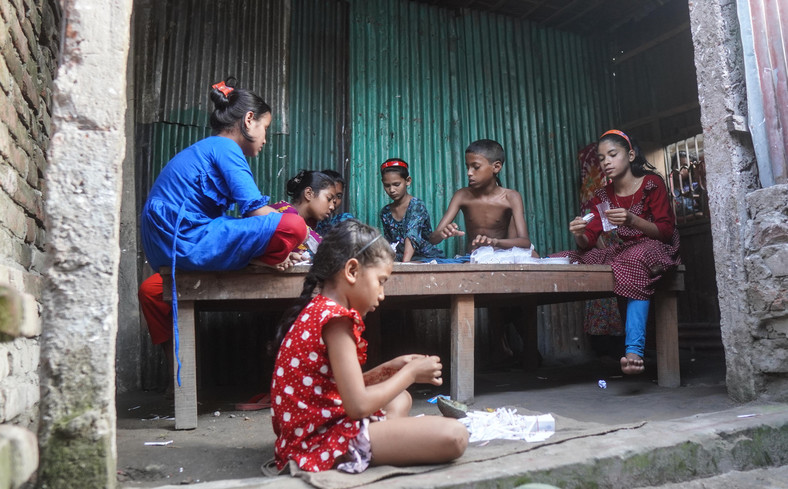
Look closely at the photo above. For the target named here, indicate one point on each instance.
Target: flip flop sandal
(256, 403)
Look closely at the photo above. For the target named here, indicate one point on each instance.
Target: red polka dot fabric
(638, 261)
(311, 424)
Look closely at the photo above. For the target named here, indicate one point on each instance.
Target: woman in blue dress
(406, 221)
(184, 223)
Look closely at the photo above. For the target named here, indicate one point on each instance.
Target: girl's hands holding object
(619, 216)
(578, 226)
(426, 369)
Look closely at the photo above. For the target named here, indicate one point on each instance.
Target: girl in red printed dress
(327, 412)
(636, 204)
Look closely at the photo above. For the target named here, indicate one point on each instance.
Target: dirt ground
(230, 444)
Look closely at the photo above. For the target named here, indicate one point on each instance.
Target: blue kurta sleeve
(232, 167)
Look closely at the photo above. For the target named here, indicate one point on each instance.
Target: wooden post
(186, 393)
(462, 345)
(668, 370)
(531, 356)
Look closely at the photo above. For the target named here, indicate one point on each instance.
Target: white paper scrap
(506, 424)
(158, 443)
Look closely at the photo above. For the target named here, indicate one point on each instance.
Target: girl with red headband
(184, 222)
(635, 207)
(406, 221)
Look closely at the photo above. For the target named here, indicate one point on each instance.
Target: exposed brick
(32, 229)
(14, 250)
(29, 198)
(31, 38)
(8, 179)
(10, 117)
(13, 397)
(12, 153)
(33, 14)
(6, 82)
(22, 451)
(12, 217)
(17, 35)
(4, 367)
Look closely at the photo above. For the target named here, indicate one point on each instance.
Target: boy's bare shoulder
(513, 195)
(463, 194)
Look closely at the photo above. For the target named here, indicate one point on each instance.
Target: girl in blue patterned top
(406, 222)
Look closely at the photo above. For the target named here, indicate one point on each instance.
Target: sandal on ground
(256, 403)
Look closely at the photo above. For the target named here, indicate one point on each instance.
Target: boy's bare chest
(488, 214)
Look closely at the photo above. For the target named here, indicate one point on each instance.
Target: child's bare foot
(289, 262)
(632, 364)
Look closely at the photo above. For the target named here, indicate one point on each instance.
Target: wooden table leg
(186, 393)
(666, 316)
(531, 356)
(462, 344)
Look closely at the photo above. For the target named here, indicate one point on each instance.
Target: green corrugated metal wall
(420, 83)
(425, 82)
(318, 84)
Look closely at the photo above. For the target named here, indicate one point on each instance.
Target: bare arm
(446, 228)
(407, 255)
(261, 211)
(385, 370)
(361, 400)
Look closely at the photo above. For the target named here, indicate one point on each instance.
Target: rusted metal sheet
(766, 61)
(181, 48)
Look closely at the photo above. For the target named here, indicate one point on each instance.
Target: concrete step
(658, 453)
(771, 478)
(743, 447)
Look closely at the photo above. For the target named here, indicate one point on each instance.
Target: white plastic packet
(487, 254)
(602, 207)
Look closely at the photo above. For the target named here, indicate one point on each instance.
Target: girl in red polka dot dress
(646, 242)
(327, 412)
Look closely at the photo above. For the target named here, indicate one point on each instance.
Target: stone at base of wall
(18, 456)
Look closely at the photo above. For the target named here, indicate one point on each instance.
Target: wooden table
(460, 287)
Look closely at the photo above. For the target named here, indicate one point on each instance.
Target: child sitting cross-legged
(329, 413)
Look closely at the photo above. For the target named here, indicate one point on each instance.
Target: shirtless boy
(494, 215)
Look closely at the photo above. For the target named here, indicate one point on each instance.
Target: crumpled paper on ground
(506, 424)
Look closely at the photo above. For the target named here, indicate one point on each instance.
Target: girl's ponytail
(310, 284)
(231, 104)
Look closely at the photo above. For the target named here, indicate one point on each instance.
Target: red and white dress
(309, 420)
(637, 261)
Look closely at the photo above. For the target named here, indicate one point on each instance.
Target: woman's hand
(578, 226)
(619, 216)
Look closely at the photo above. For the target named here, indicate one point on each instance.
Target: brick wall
(29, 36)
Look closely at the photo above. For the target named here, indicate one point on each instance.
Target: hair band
(222, 87)
(364, 248)
(391, 163)
(618, 133)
